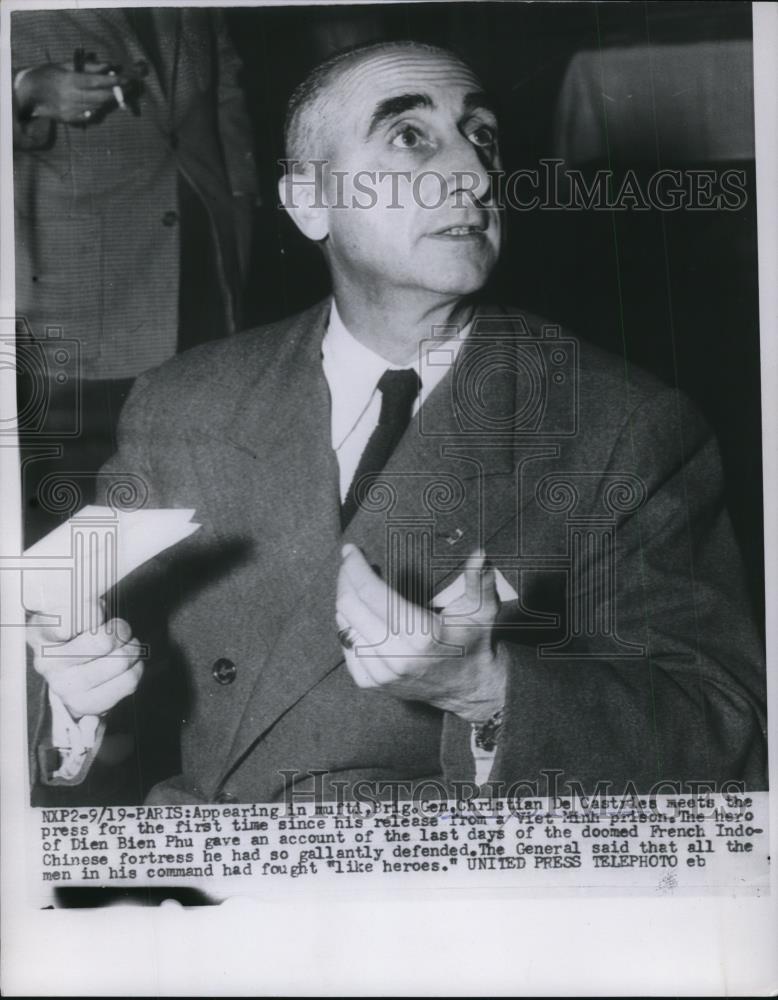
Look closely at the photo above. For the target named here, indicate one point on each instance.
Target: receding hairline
(314, 88)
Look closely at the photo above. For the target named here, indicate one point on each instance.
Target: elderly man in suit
(441, 542)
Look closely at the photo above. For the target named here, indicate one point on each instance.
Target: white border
(445, 943)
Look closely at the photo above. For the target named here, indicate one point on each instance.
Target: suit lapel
(167, 28)
(276, 474)
(446, 489)
(450, 476)
(289, 486)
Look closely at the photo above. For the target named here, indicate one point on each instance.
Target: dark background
(676, 293)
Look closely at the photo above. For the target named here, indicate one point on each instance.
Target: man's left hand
(409, 660)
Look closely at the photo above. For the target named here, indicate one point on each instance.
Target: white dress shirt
(352, 372)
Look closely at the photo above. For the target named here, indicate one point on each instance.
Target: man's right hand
(58, 92)
(90, 672)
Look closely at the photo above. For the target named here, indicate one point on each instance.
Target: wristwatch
(487, 734)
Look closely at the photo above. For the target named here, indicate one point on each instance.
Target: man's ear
(302, 194)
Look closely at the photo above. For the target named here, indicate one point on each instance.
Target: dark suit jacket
(97, 240)
(634, 657)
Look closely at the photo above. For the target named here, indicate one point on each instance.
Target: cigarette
(118, 94)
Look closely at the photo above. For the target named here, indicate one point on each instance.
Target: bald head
(312, 111)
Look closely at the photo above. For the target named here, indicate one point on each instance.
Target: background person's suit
(97, 228)
(240, 431)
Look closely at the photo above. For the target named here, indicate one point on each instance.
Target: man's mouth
(460, 231)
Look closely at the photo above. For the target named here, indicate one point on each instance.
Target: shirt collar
(352, 371)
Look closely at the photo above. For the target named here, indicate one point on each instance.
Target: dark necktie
(399, 390)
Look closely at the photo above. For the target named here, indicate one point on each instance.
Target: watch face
(487, 735)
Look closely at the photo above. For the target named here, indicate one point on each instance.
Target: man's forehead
(403, 71)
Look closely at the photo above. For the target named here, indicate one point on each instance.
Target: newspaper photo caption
(704, 842)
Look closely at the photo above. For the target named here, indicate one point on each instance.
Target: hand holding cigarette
(81, 92)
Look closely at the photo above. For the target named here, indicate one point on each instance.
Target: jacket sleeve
(29, 134)
(690, 707)
(129, 468)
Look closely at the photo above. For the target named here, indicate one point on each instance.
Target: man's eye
(407, 138)
(483, 135)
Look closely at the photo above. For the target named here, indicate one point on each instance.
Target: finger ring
(347, 637)
(86, 114)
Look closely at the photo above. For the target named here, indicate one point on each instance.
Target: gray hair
(303, 124)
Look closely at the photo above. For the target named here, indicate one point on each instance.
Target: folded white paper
(71, 569)
(458, 588)
(95, 549)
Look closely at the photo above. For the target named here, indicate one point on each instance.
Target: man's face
(417, 131)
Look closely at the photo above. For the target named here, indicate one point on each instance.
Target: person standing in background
(134, 190)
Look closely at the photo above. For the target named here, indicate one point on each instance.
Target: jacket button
(223, 797)
(224, 671)
(170, 218)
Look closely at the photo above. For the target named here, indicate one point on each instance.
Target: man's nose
(468, 170)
